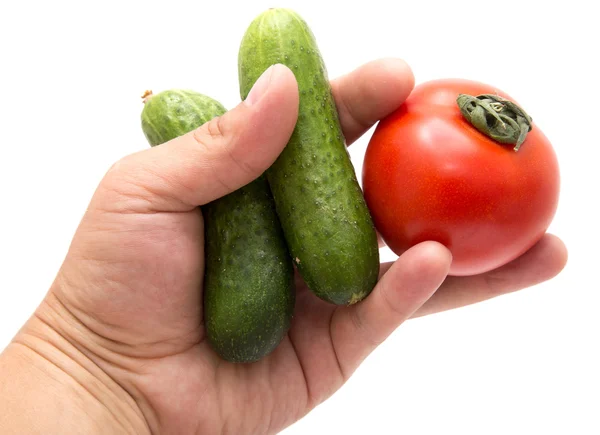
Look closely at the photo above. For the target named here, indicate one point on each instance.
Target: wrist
(49, 385)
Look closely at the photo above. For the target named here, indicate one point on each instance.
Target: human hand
(124, 316)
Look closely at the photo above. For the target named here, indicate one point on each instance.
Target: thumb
(218, 158)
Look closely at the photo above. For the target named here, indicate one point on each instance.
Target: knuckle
(215, 129)
(220, 143)
(211, 138)
(362, 328)
(388, 302)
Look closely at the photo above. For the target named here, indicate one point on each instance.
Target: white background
(71, 77)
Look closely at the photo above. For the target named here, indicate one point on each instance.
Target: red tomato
(428, 174)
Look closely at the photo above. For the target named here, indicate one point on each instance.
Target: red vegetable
(431, 174)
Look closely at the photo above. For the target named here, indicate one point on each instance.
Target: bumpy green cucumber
(249, 290)
(175, 112)
(320, 204)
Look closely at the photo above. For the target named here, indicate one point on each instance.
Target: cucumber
(175, 112)
(325, 219)
(249, 291)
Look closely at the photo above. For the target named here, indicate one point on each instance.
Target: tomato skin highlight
(428, 174)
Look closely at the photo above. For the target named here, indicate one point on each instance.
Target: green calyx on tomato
(496, 117)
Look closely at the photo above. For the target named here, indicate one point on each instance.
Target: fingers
(214, 160)
(541, 263)
(369, 93)
(358, 329)
(232, 150)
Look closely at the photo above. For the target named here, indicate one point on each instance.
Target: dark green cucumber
(249, 291)
(320, 204)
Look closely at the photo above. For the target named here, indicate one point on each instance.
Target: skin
(118, 345)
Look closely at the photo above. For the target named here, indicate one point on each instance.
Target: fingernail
(260, 87)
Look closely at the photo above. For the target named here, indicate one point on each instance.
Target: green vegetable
(324, 216)
(249, 290)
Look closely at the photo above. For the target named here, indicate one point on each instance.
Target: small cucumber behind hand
(324, 216)
(249, 289)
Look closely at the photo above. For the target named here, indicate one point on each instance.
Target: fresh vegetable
(175, 112)
(461, 163)
(249, 277)
(323, 213)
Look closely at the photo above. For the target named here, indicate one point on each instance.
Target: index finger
(370, 93)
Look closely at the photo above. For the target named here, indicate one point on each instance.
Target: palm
(156, 309)
(250, 398)
(135, 277)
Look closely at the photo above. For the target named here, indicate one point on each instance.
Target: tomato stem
(496, 117)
